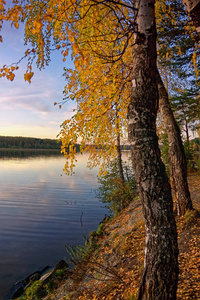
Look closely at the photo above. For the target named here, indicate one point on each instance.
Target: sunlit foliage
(98, 35)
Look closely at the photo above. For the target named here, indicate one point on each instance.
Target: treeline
(19, 142)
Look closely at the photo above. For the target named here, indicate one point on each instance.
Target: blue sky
(28, 109)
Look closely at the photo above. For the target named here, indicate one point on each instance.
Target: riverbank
(113, 258)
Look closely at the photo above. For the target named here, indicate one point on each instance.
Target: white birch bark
(160, 274)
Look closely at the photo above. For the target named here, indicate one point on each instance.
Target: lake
(41, 210)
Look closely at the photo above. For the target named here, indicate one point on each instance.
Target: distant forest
(18, 142)
(28, 143)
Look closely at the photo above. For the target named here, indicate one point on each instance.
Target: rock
(60, 265)
(25, 283)
(44, 269)
(34, 276)
(45, 276)
(50, 278)
(18, 292)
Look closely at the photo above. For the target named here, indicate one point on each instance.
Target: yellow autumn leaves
(28, 76)
(8, 72)
(99, 39)
(97, 86)
(91, 34)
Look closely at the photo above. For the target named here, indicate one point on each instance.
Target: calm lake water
(41, 210)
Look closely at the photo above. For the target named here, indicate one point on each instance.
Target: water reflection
(19, 153)
(40, 211)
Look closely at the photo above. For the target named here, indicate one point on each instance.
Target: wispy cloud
(28, 108)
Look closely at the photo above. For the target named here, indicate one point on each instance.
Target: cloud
(27, 107)
(38, 97)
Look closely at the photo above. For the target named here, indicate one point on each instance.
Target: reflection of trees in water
(18, 153)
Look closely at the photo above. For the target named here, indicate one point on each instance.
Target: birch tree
(118, 33)
(161, 251)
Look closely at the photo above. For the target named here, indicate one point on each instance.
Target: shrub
(115, 192)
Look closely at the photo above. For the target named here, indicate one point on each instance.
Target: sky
(28, 109)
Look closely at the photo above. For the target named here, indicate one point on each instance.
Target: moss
(39, 289)
(60, 273)
(100, 229)
(31, 292)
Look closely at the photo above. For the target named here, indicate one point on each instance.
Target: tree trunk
(119, 157)
(160, 274)
(118, 146)
(120, 167)
(187, 130)
(177, 160)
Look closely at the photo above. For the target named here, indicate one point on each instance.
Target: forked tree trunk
(177, 160)
(160, 274)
